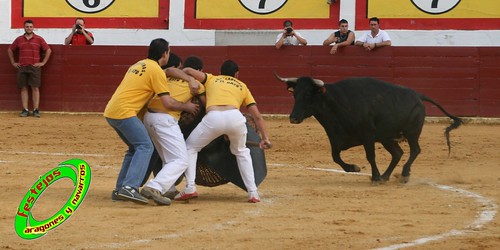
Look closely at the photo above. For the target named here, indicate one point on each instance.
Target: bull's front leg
(345, 166)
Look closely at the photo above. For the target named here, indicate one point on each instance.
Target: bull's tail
(456, 120)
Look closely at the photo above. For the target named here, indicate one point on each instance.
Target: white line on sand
(486, 215)
(53, 153)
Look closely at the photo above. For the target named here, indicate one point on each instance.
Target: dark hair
(287, 23)
(375, 19)
(156, 48)
(173, 61)
(343, 21)
(28, 21)
(80, 18)
(193, 62)
(229, 68)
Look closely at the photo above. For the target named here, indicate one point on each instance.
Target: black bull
(362, 111)
(216, 165)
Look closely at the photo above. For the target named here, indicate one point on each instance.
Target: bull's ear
(290, 86)
(290, 89)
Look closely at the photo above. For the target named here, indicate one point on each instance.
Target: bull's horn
(319, 82)
(294, 79)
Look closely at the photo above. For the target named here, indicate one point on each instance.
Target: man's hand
(368, 46)
(333, 50)
(194, 86)
(38, 65)
(191, 108)
(265, 144)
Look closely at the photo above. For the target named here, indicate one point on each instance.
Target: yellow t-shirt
(179, 90)
(142, 81)
(227, 90)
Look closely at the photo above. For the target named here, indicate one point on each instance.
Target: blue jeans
(140, 148)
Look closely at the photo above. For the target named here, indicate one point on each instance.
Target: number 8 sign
(90, 6)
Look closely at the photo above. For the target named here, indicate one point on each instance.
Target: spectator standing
(225, 95)
(142, 81)
(289, 36)
(374, 38)
(341, 38)
(79, 35)
(29, 67)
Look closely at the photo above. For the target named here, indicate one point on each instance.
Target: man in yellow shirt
(142, 81)
(225, 95)
(162, 125)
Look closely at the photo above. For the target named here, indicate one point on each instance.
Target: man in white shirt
(375, 38)
(289, 36)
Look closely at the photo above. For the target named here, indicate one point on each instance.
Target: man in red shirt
(79, 35)
(29, 67)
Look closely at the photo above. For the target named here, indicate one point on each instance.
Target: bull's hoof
(384, 178)
(377, 182)
(353, 168)
(405, 179)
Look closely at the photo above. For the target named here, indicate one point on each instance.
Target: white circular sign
(263, 7)
(435, 6)
(90, 6)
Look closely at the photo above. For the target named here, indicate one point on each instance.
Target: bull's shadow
(362, 111)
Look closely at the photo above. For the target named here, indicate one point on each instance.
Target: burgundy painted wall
(465, 80)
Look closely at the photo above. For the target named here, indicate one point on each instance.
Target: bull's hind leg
(414, 152)
(370, 155)
(412, 133)
(396, 152)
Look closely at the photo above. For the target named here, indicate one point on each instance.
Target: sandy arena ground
(308, 202)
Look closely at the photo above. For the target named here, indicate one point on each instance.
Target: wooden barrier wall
(465, 80)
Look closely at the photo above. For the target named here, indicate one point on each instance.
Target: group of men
(372, 39)
(164, 94)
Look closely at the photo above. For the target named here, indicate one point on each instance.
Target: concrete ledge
(429, 119)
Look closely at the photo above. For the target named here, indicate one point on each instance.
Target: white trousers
(213, 125)
(169, 142)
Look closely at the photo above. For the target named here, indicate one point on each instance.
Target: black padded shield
(219, 158)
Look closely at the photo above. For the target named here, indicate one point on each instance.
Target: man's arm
(67, 40)
(350, 39)
(48, 52)
(332, 38)
(361, 41)
(301, 40)
(383, 44)
(386, 40)
(259, 122)
(11, 58)
(198, 75)
(280, 40)
(172, 104)
(177, 73)
(88, 36)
